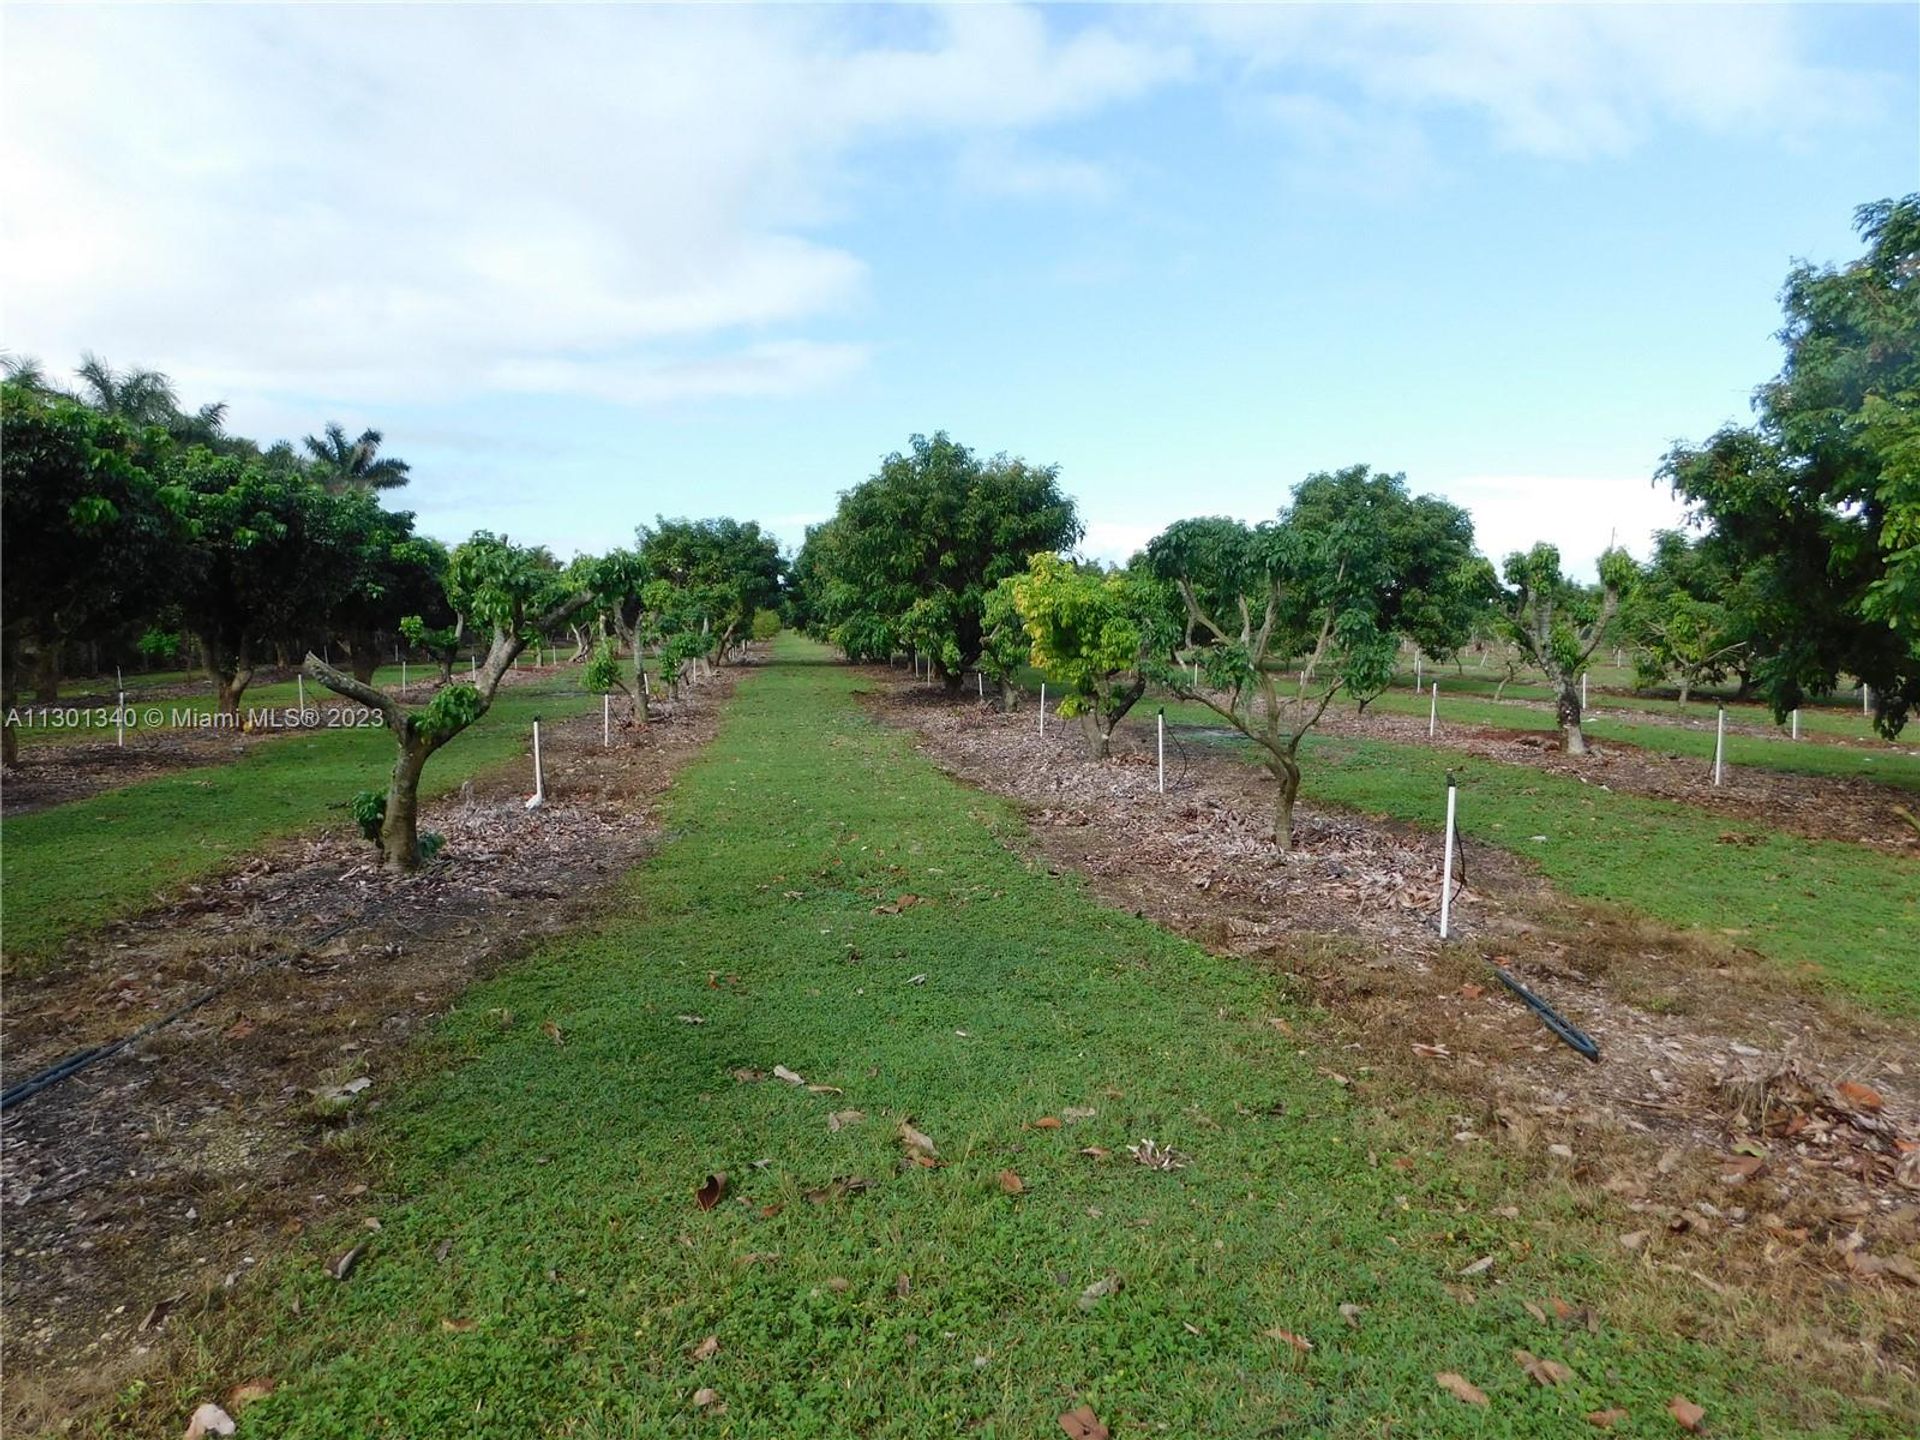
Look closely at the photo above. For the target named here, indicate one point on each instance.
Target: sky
(583, 266)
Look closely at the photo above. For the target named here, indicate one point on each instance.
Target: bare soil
(147, 1185)
(1736, 1127)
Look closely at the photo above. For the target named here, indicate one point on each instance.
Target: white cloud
(1581, 515)
(1549, 80)
(414, 203)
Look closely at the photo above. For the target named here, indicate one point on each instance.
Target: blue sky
(584, 266)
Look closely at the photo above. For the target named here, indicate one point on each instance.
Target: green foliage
(1556, 623)
(369, 811)
(430, 844)
(452, 709)
(88, 530)
(1005, 646)
(709, 575)
(603, 675)
(1816, 507)
(766, 624)
(1093, 632)
(1684, 616)
(502, 587)
(157, 644)
(911, 554)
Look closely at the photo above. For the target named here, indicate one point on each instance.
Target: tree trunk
(9, 693)
(1686, 689)
(46, 673)
(1099, 735)
(1287, 780)
(364, 653)
(400, 831)
(1567, 710)
(1008, 695)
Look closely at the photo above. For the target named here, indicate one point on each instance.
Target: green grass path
(579, 1276)
(69, 868)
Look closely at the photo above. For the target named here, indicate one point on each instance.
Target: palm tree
(146, 397)
(341, 464)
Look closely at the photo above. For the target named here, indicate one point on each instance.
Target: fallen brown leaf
(552, 1031)
(1687, 1415)
(712, 1192)
(780, 1072)
(1083, 1424)
(1298, 1342)
(1605, 1419)
(706, 1396)
(841, 1119)
(1047, 1122)
(1542, 1372)
(1461, 1388)
(707, 1348)
(1011, 1183)
(342, 1265)
(244, 1394)
(1862, 1097)
(915, 1140)
(1094, 1152)
(456, 1326)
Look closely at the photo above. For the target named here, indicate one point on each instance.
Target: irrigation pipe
(84, 1059)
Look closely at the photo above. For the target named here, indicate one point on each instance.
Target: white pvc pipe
(1043, 709)
(539, 796)
(1416, 669)
(301, 680)
(1796, 722)
(403, 674)
(1160, 748)
(1719, 743)
(981, 676)
(120, 721)
(1583, 689)
(1433, 712)
(1446, 865)
(1865, 696)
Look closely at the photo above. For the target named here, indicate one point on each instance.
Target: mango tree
(496, 588)
(1321, 593)
(1094, 633)
(922, 543)
(1558, 625)
(1004, 643)
(88, 531)
(268, 557)
(722, 570)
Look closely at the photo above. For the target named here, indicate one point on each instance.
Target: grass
(542, 1268)
(1867, 760)
(98, 728)
(72, 867)
(1840, 914)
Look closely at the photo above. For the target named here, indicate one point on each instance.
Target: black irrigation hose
(1577, 1038)
(84, 1059)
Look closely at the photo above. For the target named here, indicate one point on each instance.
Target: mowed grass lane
(1838, 915)
(69, 868)
(542, 1267)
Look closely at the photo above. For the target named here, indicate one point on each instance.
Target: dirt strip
(1750, 1130)
(142, 1188)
